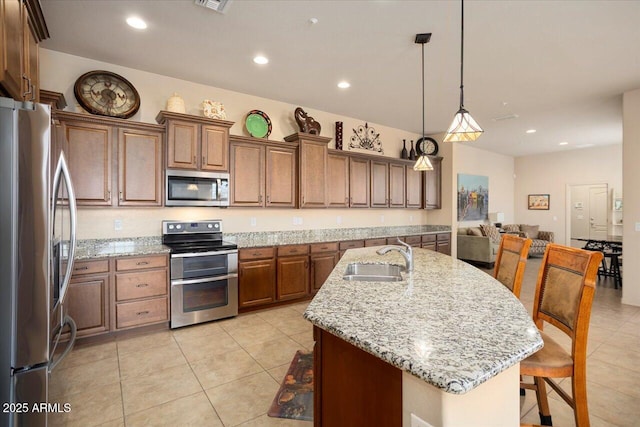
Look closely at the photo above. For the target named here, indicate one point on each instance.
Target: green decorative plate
(258, 124)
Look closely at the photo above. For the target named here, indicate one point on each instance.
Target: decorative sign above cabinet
(366, 138)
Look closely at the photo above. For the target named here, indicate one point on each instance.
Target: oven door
(200, 300)
(204, 264)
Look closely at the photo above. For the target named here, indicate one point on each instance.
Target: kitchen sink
(368, 272)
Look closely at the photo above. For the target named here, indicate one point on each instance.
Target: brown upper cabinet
(22, 27)
(262, 175)
(359, 183)
(312, 157)
(195, 142)
(433, 185)
(379, 184)
(113, 162)
(337, 181)
(397, 178)
(414, 188)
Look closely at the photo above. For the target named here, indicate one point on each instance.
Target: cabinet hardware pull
(121, 195)
(324, 247)
(108, 194)
(142, 313)
(306, 264)
(142, 285)
(81, 268)
(194, 158)
(142, 262)
(203, 162)
(260, 199)
(29, 87)
(268, 199)
(256, 254)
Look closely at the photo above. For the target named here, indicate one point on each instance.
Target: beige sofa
(476, 248)
(539, 239)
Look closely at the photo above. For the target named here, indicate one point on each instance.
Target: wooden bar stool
(564, 295)
(511, 261)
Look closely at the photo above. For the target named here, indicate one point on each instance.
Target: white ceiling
(561, 66)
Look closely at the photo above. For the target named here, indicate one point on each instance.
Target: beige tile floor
(226, 373)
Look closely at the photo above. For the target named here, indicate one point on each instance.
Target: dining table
(611, 248)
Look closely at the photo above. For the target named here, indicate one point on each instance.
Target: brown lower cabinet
(292, 272)
(353, 387)
(111, 294)
(324, 257)
(256, 277)
(440, 242)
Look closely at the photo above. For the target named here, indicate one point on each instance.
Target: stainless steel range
(204, 272)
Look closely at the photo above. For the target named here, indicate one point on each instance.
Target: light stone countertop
(103, 248)
(447, 322)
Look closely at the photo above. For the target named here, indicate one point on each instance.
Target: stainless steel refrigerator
(37, 242)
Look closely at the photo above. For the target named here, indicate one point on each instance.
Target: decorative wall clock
(107, 94)
(427, 146)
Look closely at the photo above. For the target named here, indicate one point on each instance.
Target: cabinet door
(293, 277)
(31, 85)
(321, 266)
(87, 303)
(432, 184)
(313, 174)
(140, 168)
(257, 282)
(443, 243)
(11, 47)
(379, 184)
(215, 148)
(396, 185)
(247, 175)
(280, 178)
(414, 188)
(88, 151)
(182, 145)
(337, 181)
(359, 183)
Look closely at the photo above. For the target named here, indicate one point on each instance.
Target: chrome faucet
(406, 252)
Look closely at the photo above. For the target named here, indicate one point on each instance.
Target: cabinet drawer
(441, 237)
(375, 242)
(428, 238)
(317, 248)
(141, 285)
(141, 312)
(293, 250)
(90, 267)
(413, 240)
(139, 263)
(351, 244)
(256, 253)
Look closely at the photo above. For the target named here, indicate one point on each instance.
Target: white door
(588, 214)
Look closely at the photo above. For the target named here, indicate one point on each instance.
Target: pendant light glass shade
(423, 164)
(463, 128)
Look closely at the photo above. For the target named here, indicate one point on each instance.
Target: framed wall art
(473, 197)
(538, 202)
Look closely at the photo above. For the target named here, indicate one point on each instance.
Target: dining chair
(563, 299)
(511, 261)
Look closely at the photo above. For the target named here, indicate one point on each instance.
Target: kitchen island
(442, 346)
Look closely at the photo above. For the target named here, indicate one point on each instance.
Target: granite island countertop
(447, 323)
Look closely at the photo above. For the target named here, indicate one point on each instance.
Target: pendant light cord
(461, 55)
(423, 91)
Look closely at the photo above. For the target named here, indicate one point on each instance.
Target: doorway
(587, 213)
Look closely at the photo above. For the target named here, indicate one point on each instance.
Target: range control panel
(182, 227)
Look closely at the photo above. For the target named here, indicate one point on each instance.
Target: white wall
(551, 173)
(59, 72)
(631, 193)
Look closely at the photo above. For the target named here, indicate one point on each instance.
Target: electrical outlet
(381, 218)
(339, 220)
(297, 220)
(117, 225)
(637, 226)
(253, 221)
(410, 218)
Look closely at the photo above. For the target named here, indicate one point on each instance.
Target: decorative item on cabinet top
(175, 104)
(258, 124)
(107, 94)
(338, 135)
(213, 110)
(306, 123)
(366, 138)
(427, 145)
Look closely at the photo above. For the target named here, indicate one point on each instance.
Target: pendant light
(423, 163)
(464, 127)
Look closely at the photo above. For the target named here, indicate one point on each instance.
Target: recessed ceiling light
(531, 131)
(136, 23)
(313, 20)
(260, 60)
(344, 85)
(564, 143)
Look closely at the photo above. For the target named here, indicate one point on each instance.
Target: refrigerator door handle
(63, 169)
(72, 339)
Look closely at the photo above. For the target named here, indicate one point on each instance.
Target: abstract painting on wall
(473, 197)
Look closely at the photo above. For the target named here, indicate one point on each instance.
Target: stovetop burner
(194, 236)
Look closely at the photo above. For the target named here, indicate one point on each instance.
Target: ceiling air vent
(217, 5)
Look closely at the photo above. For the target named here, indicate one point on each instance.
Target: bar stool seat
(552, 360)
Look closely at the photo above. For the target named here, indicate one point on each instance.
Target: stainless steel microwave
(193, 188)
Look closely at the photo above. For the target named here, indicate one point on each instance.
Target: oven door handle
(196, 254)
(205, 280)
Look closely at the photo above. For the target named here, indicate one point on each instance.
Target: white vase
(175, 104)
